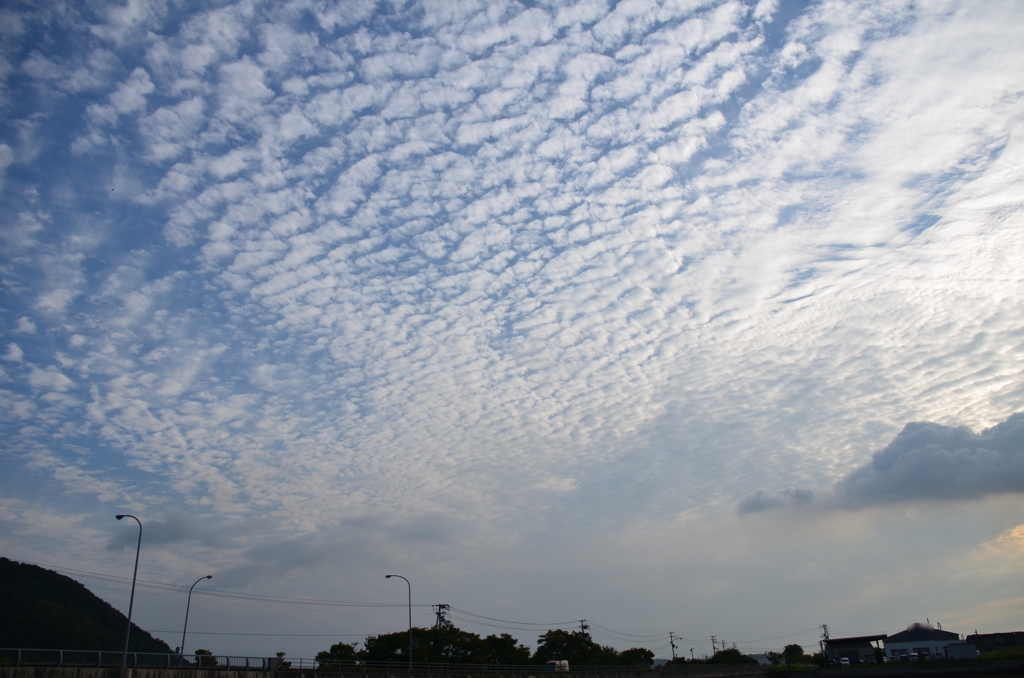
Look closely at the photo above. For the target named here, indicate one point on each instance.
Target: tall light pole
(188, 605)
(131, 601)
(389, 576)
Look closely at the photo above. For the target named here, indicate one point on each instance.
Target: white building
(920, 640)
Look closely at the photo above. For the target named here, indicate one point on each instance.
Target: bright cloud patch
(479, 274)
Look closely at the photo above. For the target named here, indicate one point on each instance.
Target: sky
(699, 317)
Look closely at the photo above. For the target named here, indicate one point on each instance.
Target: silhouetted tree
(731, 656)
(505, 649)
(340, 654)
(636, 656)
(576, 647)
(451, 645)
(387, 647)
(793, 654)
(446, 644)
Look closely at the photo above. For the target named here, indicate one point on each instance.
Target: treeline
(451, 645)
(47, 611)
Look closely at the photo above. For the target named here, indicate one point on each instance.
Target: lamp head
(119, 516)
(209, 576)
(387, 576)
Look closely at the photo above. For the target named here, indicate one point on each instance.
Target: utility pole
(714, 648)
(672, 642)
(441, 616)
(584, 627)
(691, 654)
(823, 643)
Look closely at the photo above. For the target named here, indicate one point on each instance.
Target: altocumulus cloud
(925, 462)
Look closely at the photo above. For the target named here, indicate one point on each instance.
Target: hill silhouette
(46, 610)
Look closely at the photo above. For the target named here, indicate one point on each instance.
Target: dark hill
(41, 609)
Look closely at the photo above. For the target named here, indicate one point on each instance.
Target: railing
(83, 659)
(140, 660)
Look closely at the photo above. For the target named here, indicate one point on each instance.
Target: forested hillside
(46, 610)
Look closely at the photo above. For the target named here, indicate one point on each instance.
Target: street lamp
(389, 576)
(187, 605)
(131, 601)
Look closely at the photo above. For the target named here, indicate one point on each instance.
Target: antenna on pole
(441, 616)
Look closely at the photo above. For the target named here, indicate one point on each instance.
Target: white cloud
(489, 263)
(14, 353)
(6, 158)
(49, 379)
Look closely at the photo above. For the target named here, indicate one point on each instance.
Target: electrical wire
(761, 640)
(460, 614)
(220, 593)
(272, 635)
(656, 636)
(506, 621)
(492, 626)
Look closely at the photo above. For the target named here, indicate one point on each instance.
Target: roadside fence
(139, 660)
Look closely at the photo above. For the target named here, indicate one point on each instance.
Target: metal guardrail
(480, 670)
(140, 660)
(86, 659)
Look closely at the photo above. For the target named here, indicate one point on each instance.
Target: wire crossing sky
(700, 317)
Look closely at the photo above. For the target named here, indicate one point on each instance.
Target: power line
(220, 593)
(238, 595)
(463, 615)
(655, 636)
(506, 621)
(761, 640)
(495, 626)
(272, 635)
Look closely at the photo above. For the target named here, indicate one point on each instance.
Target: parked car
(844, 661)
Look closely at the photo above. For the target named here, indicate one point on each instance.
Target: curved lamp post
(188, 605)
(389, 576)
(131, 601)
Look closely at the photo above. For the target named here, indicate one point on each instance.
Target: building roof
(856, 640)
(919, 632)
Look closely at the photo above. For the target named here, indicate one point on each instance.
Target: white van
(557, 665)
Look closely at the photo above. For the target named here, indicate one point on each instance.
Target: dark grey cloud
(764, 501)
(278, 559)
(925, 462)
(358, 544)
(929, 461)
(176, 526)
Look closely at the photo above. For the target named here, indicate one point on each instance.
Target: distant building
(921, 640)
(857, 649)
(993, 642)
(962, 651)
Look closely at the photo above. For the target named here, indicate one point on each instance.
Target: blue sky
(692, 317)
